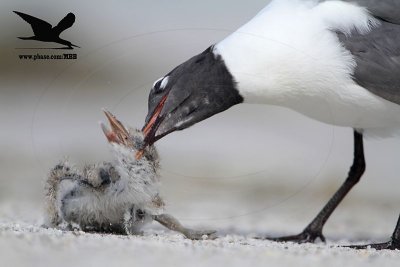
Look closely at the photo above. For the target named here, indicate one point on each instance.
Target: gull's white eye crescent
(164, 82)
(160, 84)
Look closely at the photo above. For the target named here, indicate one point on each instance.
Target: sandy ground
(39, 247)
(24, 243)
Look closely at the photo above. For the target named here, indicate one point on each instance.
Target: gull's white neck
(290, 49)
(289, 55)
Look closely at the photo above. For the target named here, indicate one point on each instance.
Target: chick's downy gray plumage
(116, 197)
(113, 196)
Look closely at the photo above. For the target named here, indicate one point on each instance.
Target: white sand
(24, 243)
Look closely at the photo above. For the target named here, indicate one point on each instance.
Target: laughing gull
(113, 197)
(334, 61)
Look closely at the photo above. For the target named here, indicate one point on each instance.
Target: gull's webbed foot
(393, 244)
(307, 236)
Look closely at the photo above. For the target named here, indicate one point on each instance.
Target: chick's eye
(140, 214)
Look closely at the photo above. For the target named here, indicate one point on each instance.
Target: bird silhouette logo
(44, 32)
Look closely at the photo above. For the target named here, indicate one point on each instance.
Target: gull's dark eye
(159, 85)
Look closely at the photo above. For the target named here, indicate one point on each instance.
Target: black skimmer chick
(334, 61)
(45, 32)
(114, 197)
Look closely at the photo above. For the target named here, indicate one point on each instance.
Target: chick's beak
(118, 133)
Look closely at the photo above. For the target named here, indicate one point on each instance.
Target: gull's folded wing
(377, 53)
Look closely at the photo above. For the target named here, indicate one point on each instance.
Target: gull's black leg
(393, 244)
(314, 229)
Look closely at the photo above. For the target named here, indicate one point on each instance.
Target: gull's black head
(195, 90)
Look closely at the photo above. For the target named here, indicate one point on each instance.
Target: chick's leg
(60, 172)
(173, 224)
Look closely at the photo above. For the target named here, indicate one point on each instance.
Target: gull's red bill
(150, 125)
(149, 130)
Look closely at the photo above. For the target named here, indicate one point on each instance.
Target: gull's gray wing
(377, 53)
(388, 10)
